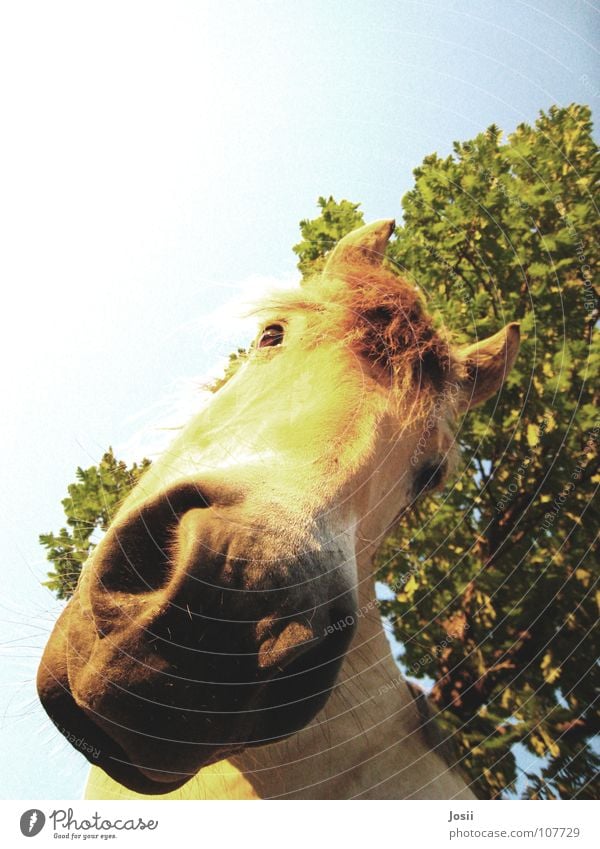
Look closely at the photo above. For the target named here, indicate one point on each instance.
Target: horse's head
(207, 619)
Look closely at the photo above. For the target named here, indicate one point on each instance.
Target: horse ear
(488, 362)
(365, 245)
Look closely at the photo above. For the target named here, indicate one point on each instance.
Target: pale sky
(156, 159)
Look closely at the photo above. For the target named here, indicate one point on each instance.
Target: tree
(500, 603)
(503, 561)
(320, 234)
(89, 508)
(500, 607)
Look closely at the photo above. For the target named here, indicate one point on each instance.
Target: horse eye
(429, 477)
(271, 336)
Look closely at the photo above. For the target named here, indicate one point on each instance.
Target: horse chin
(283, 710)
(122, 762)
(99, 748)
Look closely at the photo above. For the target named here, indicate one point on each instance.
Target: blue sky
(156, 161)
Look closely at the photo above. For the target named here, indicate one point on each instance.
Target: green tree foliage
(89, 507)
(498, 596)
(320, 234)
(501, 600)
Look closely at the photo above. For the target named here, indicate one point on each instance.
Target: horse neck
(367, 742)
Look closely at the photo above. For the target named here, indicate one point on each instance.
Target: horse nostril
(277, 650)
(136, 555)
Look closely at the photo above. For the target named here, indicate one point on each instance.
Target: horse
(218, 643)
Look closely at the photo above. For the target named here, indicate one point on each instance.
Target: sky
(155, 162)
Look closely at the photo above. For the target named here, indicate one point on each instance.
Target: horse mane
(382, 317)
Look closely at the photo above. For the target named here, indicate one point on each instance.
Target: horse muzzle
(185, 644)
